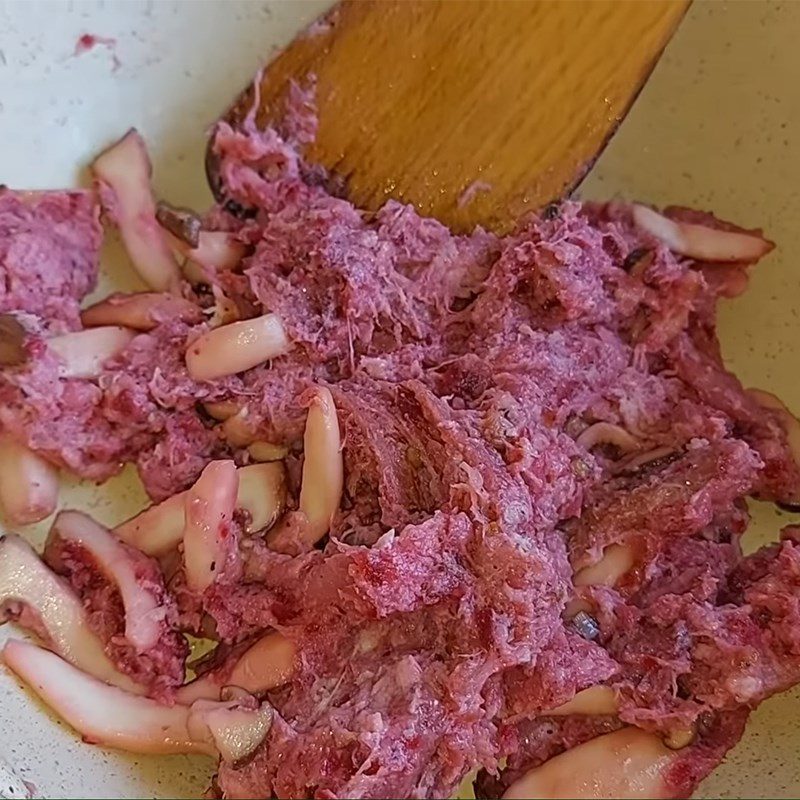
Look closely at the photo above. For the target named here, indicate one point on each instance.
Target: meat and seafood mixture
(446, 505)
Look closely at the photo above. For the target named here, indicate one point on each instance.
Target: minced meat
(49, 254)
(433, 625)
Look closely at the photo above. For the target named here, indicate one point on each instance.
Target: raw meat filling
(515, 471)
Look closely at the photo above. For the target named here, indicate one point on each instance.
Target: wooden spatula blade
(474, 111)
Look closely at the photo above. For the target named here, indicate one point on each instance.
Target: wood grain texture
(474, 111)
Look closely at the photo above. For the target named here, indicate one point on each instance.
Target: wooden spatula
(472, 110)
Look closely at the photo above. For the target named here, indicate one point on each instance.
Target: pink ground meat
(431, 626)
(160, 668)
(49, 248)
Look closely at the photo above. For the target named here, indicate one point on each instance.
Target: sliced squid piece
(41, 601)
(236, 347)
(699, 241)
(323, 476)
(83, 353)
(123, 172)
(596, 700)
(120, 564)
(628, 763)
(323, 465)
(263, 666)
(262, 494)
(267, 451)
(216, 251)
(210, 504)
(606, 433)
(157, 530)
(28, 484)
(237, 430)
(205, 251)
(140, 311)
(680, 738)
(617, 559)
(236, 730)
(221, 409)
(237, 427)
(107, 716)
(194, 273)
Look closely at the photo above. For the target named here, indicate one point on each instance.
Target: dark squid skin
(212, 172)
(183, 223)
(13, 352)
